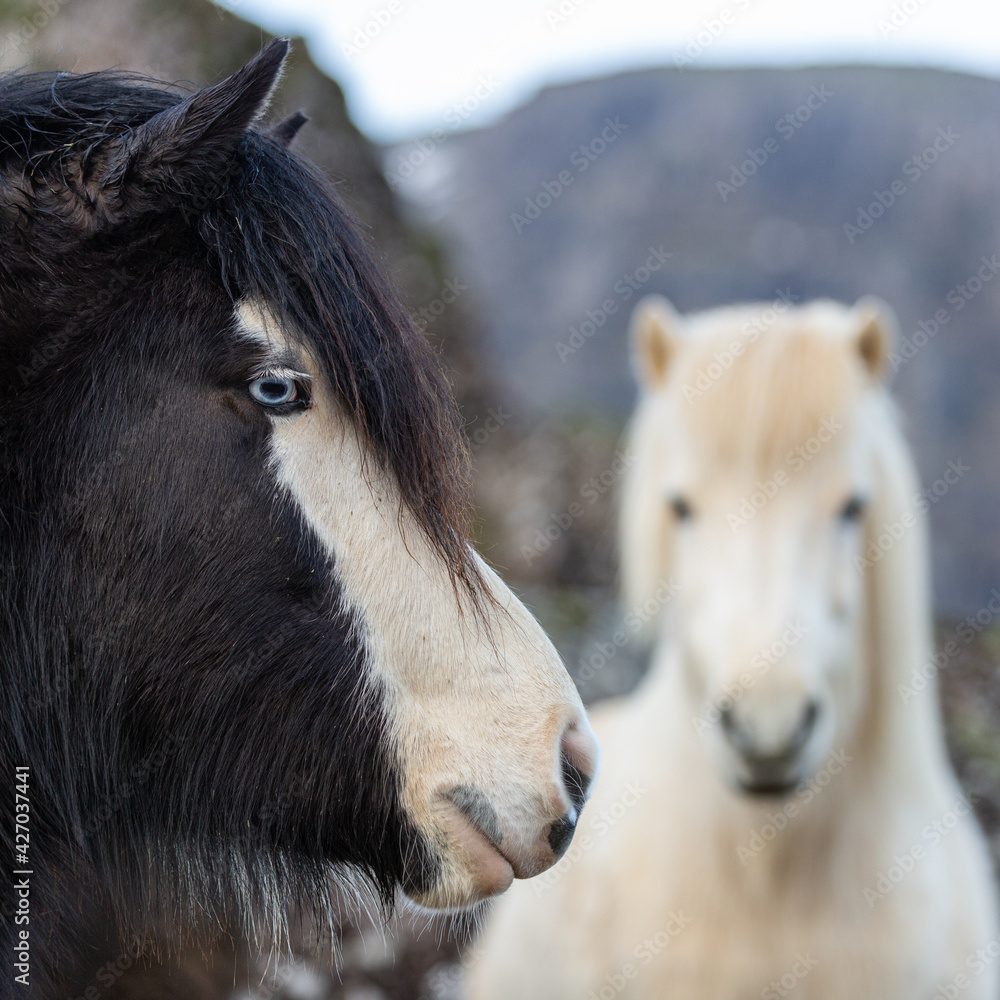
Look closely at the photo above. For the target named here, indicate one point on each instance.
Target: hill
(712, 186)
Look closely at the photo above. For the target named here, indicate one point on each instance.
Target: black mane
(277, 231)
(188, 687)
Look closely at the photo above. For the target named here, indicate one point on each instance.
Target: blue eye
(274, 390)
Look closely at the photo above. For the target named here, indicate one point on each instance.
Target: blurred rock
(561, 212)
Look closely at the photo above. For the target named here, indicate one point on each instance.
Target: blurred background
(528, 171)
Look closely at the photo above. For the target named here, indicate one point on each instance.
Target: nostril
(728, 721)
(561, 833)
(575, 782)
(806, 726)
(734, 732)
(577, 763)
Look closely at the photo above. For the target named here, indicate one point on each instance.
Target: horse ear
(286, 130)
(877, 330)
(654, 331)
(180, 150)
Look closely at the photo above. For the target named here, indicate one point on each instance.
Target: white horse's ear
(654, 332)
(877, 331)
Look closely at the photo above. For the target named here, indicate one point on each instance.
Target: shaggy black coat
(178, 673)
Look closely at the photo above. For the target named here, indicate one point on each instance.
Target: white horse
(776, 815)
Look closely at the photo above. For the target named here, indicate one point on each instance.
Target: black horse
(247, 652)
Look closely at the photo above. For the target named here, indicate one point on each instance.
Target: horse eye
(681, 508)
(853, 508)
(274, 390)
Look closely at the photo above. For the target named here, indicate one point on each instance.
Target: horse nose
(770, 757)
(529, 846)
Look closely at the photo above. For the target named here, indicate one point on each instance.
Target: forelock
(796, 375)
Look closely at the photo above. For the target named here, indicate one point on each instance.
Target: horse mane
(899, 638)
(277, 231)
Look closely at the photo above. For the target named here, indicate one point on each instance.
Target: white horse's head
(766, 462)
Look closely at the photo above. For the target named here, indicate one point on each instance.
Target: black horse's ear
(181, 150)
(286, 130)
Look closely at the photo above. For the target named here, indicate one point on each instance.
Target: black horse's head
(246, 640)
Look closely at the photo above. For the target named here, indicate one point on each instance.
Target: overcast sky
(410, 66)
